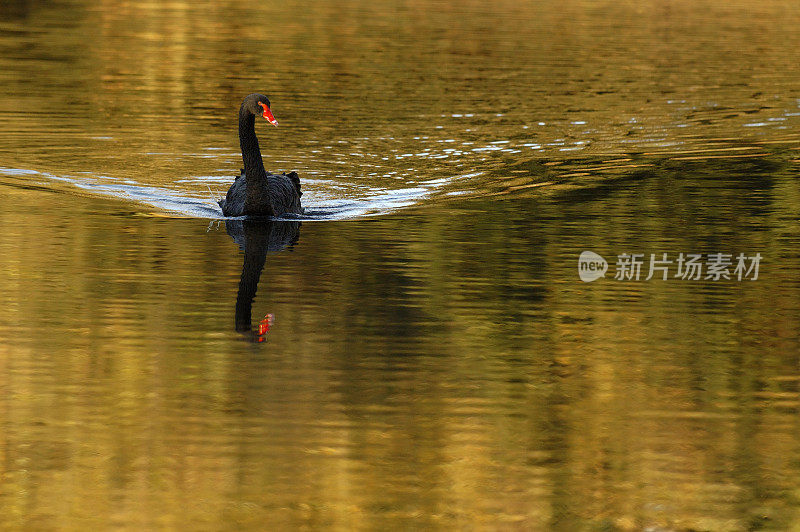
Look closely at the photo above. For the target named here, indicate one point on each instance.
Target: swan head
(258, 104)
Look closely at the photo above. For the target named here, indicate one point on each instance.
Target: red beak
(268, 114)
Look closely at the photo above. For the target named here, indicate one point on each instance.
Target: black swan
(257, 192)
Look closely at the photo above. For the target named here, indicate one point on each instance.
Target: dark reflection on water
(256, 238)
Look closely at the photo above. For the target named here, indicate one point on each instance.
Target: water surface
(420, 352)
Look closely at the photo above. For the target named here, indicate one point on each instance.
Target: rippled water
(424, 354)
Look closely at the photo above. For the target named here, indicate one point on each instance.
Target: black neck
(251, 154)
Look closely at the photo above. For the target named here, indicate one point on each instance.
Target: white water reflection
(323, 200)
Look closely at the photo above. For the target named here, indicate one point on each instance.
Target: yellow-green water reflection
(440, 367)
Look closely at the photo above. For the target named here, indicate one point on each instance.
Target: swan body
(256, 192)
(274, 195)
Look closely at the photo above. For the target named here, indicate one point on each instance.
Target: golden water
(433, 361)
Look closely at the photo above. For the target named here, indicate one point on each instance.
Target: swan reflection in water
(256, 238)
